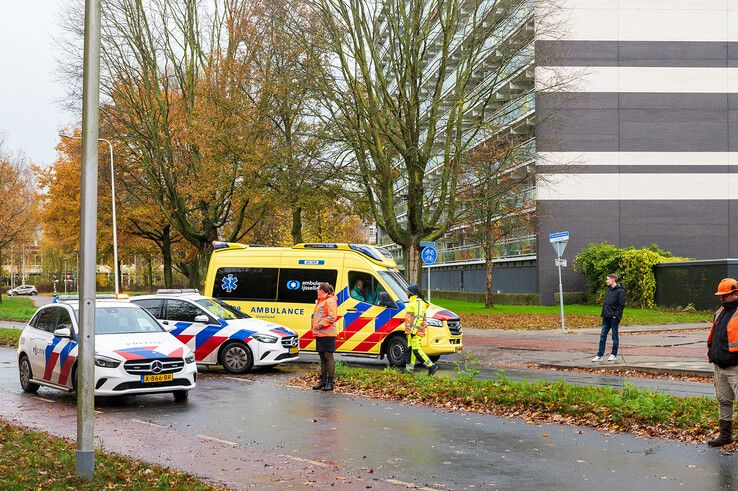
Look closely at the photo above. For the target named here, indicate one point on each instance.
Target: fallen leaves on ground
(528, 321)
(36, 460)
(637, 411)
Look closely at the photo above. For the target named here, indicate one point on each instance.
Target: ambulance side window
(301, 285)
(246, 284)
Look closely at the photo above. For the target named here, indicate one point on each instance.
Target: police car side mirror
(202, 318)
(63, 332)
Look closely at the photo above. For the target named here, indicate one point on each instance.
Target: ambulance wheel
(24, 369)
(435, 358)
(236, 357)
(396, 350)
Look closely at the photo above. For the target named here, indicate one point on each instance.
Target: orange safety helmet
(726, 286)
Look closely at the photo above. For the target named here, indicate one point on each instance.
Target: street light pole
(85, 455)
(115, 221)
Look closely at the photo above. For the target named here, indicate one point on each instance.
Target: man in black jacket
(612, 312)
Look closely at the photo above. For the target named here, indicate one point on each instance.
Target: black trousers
(327, 365)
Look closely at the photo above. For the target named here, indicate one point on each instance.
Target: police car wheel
(396, 349)
(24, 369)
(236, 357)
(180, 395)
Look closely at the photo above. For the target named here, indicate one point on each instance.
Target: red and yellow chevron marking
(362, 331)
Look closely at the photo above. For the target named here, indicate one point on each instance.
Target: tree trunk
(166, 255)
(2, 285)
(413, 269)
(488, 292)
(297, 225)
(150, 264)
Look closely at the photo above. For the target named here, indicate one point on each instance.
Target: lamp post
(115, 223)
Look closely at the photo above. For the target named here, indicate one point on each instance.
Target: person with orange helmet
(722, 352)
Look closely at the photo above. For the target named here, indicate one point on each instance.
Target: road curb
(626, 367)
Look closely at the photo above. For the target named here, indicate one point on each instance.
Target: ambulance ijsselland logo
(293, 285)
(230, 283)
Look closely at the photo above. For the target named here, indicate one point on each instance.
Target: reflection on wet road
(410, 443)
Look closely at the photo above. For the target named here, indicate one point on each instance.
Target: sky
(30, 117)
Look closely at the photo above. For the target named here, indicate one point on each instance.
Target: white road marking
(409, 485)
(213, 439)
(237, 378)
(148, 423)
(307, 461)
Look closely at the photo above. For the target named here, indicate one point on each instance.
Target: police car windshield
(123, 320)
(397, 283)
(221, 309)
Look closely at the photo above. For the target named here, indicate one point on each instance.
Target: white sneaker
(612, 358)
(597, 358)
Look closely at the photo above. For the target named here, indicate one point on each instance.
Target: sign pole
(85, 455)
(558, 241)
(429, 288)
(561, 299)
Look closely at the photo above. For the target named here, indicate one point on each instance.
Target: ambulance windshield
(396, 282)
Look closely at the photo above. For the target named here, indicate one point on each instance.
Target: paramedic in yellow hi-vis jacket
(415, 330)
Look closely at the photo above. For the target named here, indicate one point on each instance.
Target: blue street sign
(428, 244)
(429, 255)
(558, 237)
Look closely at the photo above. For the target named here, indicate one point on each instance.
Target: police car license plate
(162, 377)
(294, 351)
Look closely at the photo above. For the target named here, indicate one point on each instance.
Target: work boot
(320, 384)
(328, 384)
(725, 436)
(409, 369)
(433, 369)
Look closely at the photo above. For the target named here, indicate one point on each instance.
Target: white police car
(218, 333)
(134, 354)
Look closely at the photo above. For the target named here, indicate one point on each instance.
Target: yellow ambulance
(279, 284)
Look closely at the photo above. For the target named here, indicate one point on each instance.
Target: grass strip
(9, 337)
(37, 460)
(547, 317)
(631, 409)
(16, 309)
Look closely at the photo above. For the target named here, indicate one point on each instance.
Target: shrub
(634, 266)
(573, 298)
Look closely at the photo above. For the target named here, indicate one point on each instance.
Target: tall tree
(18, 198)
(176, 77)
(409, 88)
(494, 206)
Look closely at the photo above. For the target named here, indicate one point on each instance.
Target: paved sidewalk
(676, 349)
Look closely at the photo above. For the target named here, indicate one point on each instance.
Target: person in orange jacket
(324, 330)
(722, 352)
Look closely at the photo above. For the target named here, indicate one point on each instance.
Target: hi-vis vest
(732, 330)
(324, 317)
(415, 316)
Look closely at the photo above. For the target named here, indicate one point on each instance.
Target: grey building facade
(638, 141)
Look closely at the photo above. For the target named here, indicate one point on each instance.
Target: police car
(134, 354)
(218, 333)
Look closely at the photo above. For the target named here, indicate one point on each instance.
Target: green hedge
(573, 298)
(633, 266)
(497, 298)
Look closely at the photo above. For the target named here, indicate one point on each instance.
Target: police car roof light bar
(174, 291)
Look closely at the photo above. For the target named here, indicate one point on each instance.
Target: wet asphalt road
(412, 444)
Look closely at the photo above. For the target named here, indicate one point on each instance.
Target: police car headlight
(190, 358)
(106, 362)
(434, 322)
(265, 338)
